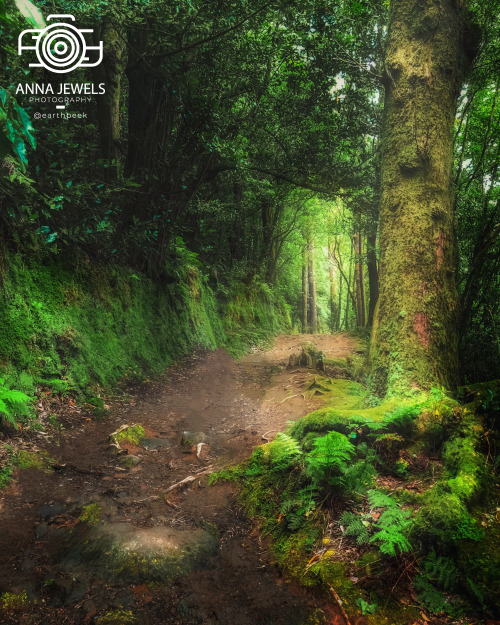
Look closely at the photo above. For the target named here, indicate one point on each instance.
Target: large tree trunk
(414, 341)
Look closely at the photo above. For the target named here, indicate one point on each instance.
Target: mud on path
(223, 574)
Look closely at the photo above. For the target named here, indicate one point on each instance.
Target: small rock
(193, 438)
(154, 443)
(130, 460)
(41, 530)
(49, 511)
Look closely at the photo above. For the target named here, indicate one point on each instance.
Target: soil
(235, 405)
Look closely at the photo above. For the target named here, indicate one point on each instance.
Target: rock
(128, 554)
(130, 460)
(50, 511)
(311, 357)
(154, 443)
(193, 438)
(41, 530)
(293, 361)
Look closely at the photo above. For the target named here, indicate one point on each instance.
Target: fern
(13, 404)
(294, 521)
(358, 477)
(378, 499)
(356, 526)
(284, 451)
(330, 453)
(430, 597)
(476, 592)
(391, 526)
(441, 570)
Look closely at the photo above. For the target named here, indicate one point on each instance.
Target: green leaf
(31, 13)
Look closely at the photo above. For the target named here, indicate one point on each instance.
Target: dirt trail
(234, 404)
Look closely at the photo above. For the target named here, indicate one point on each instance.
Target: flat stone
(121, 551)
(130, 460)
(154, 443)
(193, 438)
(41, 530)
(50, 511)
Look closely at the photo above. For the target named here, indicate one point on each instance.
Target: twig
(339, 603)
(152, 498)
(268, 432)
(291, 397)
(188, 480)
(184, 482)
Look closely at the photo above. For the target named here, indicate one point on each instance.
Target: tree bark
(371, 265)
(110, 72)
(414, 339)
(313, 312)
(357, 244)
(350, 293)
(305, 292)
(333, 286)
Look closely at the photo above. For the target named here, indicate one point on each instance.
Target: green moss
(34, 460)
(11, 602)
(8, 464)
(253, 314)
(336, 362)
(118, 616)
(117, 326)
(133, 435)
(91, 514)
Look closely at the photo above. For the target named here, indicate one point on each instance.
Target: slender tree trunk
(110, 72)
(313, 312)
(350, 292)
(333, 286)
(305, 292)
(371, 265)
(339, 311)
(414, 341)
(357, 244)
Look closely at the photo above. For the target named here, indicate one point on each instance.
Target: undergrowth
(330, 471)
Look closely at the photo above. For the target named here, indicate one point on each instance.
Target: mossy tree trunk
(333, 285)
(313, 311)
(371, 265)
(305, 291)
(414, 341)
(110, 72)
(357, 244)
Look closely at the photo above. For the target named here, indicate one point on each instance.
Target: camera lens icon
(60, 47)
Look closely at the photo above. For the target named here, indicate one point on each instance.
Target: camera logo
(60, 47)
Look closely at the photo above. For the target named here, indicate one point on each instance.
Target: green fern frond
(354, 526)
(377, 499)
(284, 450)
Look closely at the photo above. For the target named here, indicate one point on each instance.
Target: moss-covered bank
(384, 502)
(76, 326)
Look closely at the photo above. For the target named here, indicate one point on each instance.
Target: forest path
(233, 404)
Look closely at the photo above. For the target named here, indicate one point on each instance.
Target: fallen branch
(264, 435)
(187, 480)
(199, 447)
(184, 482)
(339, 603)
